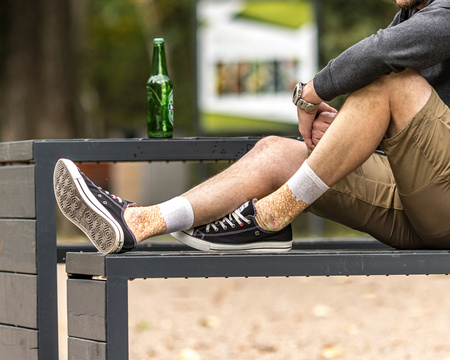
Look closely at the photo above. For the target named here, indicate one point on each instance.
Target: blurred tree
(115, 63)
(37, 73)
(345, 22)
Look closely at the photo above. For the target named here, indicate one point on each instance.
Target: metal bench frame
(98, 322)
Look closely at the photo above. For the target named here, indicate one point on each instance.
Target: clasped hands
(313, 125)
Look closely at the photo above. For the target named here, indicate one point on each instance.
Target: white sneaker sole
(255, 247)
(80, 206)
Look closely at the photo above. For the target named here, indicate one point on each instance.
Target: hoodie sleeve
(420, 42)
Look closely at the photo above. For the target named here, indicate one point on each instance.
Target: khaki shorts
(401, 198)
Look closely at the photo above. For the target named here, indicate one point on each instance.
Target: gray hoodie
(415, 39)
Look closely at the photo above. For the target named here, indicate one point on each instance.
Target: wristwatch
(297, 99)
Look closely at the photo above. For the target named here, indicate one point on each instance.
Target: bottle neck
(159, 66)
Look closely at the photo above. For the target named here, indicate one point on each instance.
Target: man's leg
(402, 199)
(367, 200)
(113, 224)
(381, 109)
(261, 171)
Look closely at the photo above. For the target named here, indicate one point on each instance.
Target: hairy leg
(261, 171)
(381, 109)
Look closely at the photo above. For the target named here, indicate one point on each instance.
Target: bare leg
(383, 108)
(261, 171)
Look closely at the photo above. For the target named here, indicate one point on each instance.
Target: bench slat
(16, 151)
(18, 246)
(17, 192)
(18, 343)
(81, 349)
(144, 264)
(86, 309)
(18, 300)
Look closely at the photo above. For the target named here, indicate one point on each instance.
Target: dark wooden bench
(29, 251)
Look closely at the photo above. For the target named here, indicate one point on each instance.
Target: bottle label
(171, 107)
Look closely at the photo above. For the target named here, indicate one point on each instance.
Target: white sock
(177, 213)
(306, 185)
(277, 210)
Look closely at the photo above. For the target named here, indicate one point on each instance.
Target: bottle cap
(158, 41)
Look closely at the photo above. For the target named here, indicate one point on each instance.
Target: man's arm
(419, 42)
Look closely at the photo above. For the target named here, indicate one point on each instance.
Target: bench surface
(361, 256)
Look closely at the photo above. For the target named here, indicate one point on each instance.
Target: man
(399, 86)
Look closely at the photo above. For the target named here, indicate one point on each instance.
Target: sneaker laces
(114, 197)
(235, 215)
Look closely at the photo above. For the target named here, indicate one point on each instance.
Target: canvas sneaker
(95, 211)
(238, 231)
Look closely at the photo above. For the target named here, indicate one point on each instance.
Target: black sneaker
(238, 231)
(96, 212)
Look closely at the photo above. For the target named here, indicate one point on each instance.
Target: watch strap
(301, 103)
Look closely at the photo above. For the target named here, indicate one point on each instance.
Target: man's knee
(400, 83)
(282, 157)
(402, 95)
(281, 147)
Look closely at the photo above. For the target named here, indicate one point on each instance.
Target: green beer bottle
(159, 95)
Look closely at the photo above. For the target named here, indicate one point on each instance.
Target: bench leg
(97, 319)
(117, 318)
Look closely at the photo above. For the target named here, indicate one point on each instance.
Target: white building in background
(248, 66)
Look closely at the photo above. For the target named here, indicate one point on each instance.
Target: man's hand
(324, 117)
(313, 125)
(305, 125)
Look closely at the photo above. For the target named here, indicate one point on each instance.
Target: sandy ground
(361, 318)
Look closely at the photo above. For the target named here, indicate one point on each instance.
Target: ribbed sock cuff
(306, 185)
(177, 213)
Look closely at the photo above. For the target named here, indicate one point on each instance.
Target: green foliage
(115, 61)
(223, 124)
(291, 14)
(114, 67)
(345, 22)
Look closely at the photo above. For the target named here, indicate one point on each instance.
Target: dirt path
(354, 318)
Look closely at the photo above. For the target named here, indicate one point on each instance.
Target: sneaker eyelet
(233, 226)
